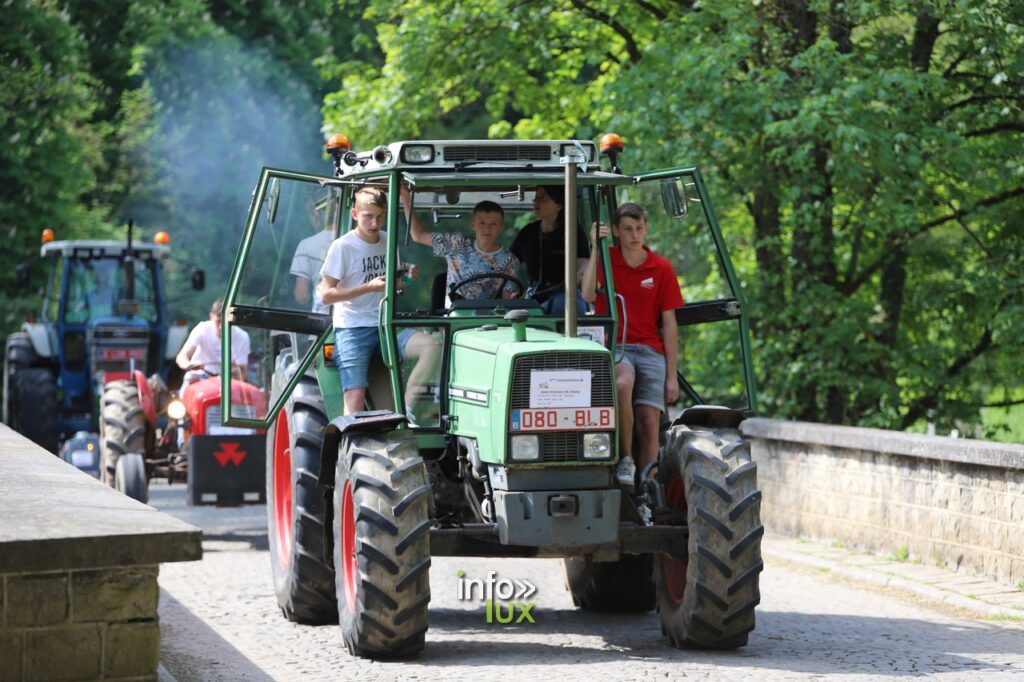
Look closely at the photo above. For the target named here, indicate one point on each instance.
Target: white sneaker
(626, 473)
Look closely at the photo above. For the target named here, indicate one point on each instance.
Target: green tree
(49, 160)
(866, 157)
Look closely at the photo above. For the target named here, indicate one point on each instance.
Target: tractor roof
(455, 155)
(102, 248)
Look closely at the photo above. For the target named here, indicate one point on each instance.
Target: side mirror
(198, 279)
(673, 197)
(21, 276)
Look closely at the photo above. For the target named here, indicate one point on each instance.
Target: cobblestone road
(219, 621)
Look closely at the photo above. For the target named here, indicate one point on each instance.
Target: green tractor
(496, 436)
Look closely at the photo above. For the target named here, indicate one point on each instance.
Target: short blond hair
(371, 196)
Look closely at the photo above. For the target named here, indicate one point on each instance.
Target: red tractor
(147, 432)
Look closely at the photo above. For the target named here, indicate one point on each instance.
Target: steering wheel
(453, 290)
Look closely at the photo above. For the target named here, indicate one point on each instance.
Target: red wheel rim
(282, 502)
(673, 567)
(348, 546)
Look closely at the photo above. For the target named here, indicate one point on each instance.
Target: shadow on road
(188, 663)
(784, 641)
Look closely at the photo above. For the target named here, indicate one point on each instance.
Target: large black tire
(303, 580)
(34, 394)
(623, 586)
(382, 544)
(708, 601)
(122, 426)
(130, 476)
(18, 354)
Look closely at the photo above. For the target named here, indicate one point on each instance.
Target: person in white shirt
(353, 281)
(309, 258)
(201, 353)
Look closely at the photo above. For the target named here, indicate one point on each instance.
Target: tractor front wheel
(130, 477)
(122, 426)
(708, 599)
(303, 580)
(382, 544)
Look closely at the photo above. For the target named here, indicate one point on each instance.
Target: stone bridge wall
(950, 502)
(78, 571)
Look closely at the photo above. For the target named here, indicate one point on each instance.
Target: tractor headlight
(176, 409)
(83, 459)
(418, 153)
(525, 448)
(597, 446)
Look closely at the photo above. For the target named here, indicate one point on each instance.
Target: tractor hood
(493, 339)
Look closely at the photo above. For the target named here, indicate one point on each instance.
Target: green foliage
(866, 159)
(155, 110)
(48, 161)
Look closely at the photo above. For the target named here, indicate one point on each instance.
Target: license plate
(122, 353)
(563, 419)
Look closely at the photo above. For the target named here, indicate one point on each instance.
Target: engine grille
(517, 152)
(600, 367)
(563, 446)
(213, 414)
(114, 348)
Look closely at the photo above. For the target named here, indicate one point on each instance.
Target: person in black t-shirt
(541, 247)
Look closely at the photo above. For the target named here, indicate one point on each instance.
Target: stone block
(70, 653)
(10, 656)
(114, 594)
(35, 600)
(133, 649)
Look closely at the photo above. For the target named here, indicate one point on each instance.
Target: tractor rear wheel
(130, 477)
(708, 599)
(122, 426)
(623, 586)
(34, 397)
(382, 544)
(303, 580)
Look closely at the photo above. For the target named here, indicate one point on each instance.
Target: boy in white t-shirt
(353, 281)
(202, 349)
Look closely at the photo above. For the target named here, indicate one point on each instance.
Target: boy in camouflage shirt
(468, 256)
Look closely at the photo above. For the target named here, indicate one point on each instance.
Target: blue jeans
(354, 347)
(556, 304)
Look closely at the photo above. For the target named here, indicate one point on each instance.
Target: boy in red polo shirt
(650, 289)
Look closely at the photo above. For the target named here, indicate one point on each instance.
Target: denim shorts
(403, 338)
(649, 367)
(354, 347)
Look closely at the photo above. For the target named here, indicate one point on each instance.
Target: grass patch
(1020, 584)
(837, 544)
(1005, 618)
(901, 554)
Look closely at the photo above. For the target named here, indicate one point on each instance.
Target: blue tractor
(104, 319)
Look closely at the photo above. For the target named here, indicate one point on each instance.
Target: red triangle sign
(229, 452)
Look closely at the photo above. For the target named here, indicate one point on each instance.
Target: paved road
(219, 621)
